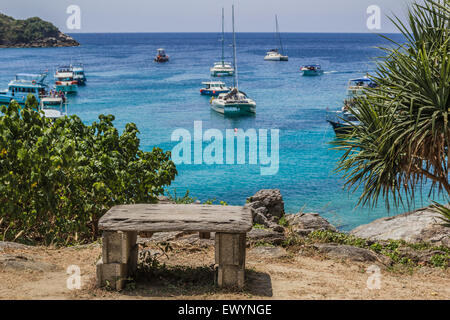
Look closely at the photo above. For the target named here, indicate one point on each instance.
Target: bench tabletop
(177, 217)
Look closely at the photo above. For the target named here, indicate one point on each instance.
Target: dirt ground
(297, 276)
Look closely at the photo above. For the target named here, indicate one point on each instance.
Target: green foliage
(58, 178)
(23, 31)
(440, 260)
(186, 199)
(404, 137)
(283, 222)
(444, 211)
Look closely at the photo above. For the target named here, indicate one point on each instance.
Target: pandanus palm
(404, 136)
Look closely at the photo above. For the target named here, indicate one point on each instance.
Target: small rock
(267, 202)
(268, 252)
(305, 223)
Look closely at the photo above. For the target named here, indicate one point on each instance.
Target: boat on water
(214, 88)
(65, 81)
(355, 89)
(357, 86)
(344, 125)
(78, 73)
(23, 85)
(278, 53)
(161, 56)
(234, 102)
(222, 68)
(311, 70)
(53, 107)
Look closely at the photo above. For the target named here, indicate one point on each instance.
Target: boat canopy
(38, 78)
(214, 82)
(311, 66)
(361, 80)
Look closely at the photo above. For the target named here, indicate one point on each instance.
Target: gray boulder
(267, 207)
(350, 253)
(12, 245)
(423, 225)
(24, 262)
(305, 223)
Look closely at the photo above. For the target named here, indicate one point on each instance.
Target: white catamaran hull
(237, 108)
(276, 58)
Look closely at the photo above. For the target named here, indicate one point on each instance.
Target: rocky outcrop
(267, 207)
(423, 225)
(305, 223)
(31, 33)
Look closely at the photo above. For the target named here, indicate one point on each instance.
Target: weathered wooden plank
(177, 217)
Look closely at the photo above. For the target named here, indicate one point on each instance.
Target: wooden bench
(121, 224)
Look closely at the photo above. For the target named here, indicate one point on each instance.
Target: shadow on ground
(173, 281)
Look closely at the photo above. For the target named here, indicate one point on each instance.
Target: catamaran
(235, 102)
(23, 85)
(65, 81)
(274, 54)
(222, 68)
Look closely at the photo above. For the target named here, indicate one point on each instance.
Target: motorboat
(161, 56)
(65, 81)
(311, 70)
(214, 88)
(23, 85)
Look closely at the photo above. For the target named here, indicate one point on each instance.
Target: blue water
(123, 80)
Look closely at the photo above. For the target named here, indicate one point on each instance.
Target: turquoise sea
(124, 81)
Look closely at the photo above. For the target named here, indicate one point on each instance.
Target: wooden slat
(177, 217)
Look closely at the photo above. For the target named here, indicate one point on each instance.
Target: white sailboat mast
(278, 34)
(223, 37)
(236, 81)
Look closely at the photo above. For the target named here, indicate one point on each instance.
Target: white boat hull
(239, 108)
(276, 58)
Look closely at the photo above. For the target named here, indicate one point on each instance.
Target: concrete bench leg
(119, 259)
(230, 258)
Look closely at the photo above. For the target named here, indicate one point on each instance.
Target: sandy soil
(298, 276)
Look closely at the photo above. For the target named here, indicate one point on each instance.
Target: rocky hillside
(32, 33)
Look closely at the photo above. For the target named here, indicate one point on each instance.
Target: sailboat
(234, 102)
(274, 54)
(222, 68)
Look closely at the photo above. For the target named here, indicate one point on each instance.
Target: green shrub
(58, 178)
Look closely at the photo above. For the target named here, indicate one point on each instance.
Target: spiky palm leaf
(404, 136)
